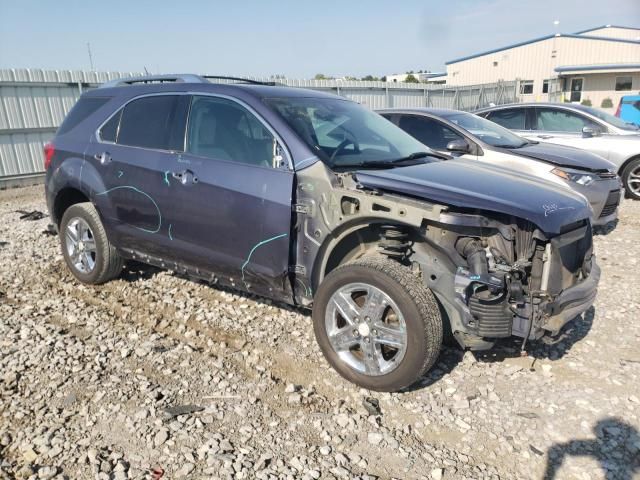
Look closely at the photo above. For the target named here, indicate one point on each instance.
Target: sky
(295, 38)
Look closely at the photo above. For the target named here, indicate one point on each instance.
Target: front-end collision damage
(494, 275)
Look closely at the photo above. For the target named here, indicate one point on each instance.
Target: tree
(411, 79)
(370, 78)
(322, 76)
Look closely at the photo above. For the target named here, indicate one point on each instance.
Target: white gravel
(87, 375)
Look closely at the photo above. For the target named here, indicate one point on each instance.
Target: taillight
(49, 150)
(618, 109)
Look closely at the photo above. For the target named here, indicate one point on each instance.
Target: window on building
(545, 86)
(526, 87)
(495, 64)
(623, 83)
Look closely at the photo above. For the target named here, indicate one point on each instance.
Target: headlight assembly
(577, 176)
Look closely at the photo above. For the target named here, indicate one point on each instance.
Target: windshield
(487, 131)
(615, 121)
(343, 133)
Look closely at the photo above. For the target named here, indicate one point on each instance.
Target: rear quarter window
(81, 111)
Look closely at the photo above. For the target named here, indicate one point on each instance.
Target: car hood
(472, 184)
(563, 156)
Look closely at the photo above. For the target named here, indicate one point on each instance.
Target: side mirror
(588, 132)
(458, 145)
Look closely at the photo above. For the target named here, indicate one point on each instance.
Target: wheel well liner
(64, 199)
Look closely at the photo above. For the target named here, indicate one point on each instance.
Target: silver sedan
(577, 126)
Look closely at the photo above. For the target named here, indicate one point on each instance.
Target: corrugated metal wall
(34, 102)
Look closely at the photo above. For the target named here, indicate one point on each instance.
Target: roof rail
(181, 78)
(238, 79)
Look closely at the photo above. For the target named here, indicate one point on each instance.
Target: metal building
(595, 66)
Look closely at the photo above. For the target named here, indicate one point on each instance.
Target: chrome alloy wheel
(366, 329)
(633, 182)
(81, 245)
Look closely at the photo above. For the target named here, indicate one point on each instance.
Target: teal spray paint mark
(170, 237)
(129, 187)
(307, 290)
(166, 178)
(120, 173)
(258, 245)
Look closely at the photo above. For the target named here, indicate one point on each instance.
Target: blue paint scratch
(129, 187)
(263, 242)
(170, 237)
(307, 290)
(120, 173)
(166, 178)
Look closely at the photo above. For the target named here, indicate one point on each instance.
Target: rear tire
(631, 179)
(406, 343)
(85, 246)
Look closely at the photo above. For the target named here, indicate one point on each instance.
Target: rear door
(136, 151)
(231, 194)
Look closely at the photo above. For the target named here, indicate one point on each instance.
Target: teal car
(629, 109)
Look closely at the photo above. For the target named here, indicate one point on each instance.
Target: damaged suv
(313, 200)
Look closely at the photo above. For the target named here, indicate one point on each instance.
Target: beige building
(595, 66)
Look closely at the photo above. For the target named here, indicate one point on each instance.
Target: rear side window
(156, 122)
(513, 119)
(428, 131)
(80, 111)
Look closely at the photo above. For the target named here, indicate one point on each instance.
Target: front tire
(85, 246)
(631, 179)
(377, 324)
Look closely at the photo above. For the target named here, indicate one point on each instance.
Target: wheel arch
(626, 163)
(64, 199)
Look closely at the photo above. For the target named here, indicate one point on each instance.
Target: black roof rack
(180, 78)
(238, 79)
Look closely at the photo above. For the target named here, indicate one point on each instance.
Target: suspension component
(394, 242)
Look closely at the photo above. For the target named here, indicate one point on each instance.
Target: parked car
(577, 126)
(464, 135)
(311, 199)
(629, 109)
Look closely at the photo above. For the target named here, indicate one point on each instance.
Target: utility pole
(90, 56)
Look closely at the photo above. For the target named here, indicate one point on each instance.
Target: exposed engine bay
(495, 275)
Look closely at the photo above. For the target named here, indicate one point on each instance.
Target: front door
(231, 197)
(576, 90)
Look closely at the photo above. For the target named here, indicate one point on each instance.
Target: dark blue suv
(311, 199)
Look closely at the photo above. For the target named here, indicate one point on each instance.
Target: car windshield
(486, 131)
(610, 119)
(344, 134)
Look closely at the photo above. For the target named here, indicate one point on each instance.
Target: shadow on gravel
(615, 447)
(548, 348)
(606, 229)
(449, 358)
(133, 271)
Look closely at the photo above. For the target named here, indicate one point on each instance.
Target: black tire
(626, 174)
(108, 263)
(417, 305)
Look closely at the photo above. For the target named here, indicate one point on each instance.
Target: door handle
(103, 157)
(185, 177)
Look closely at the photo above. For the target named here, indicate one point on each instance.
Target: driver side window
(552, 120)
(222, 129)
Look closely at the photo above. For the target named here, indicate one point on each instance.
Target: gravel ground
(156, 376)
